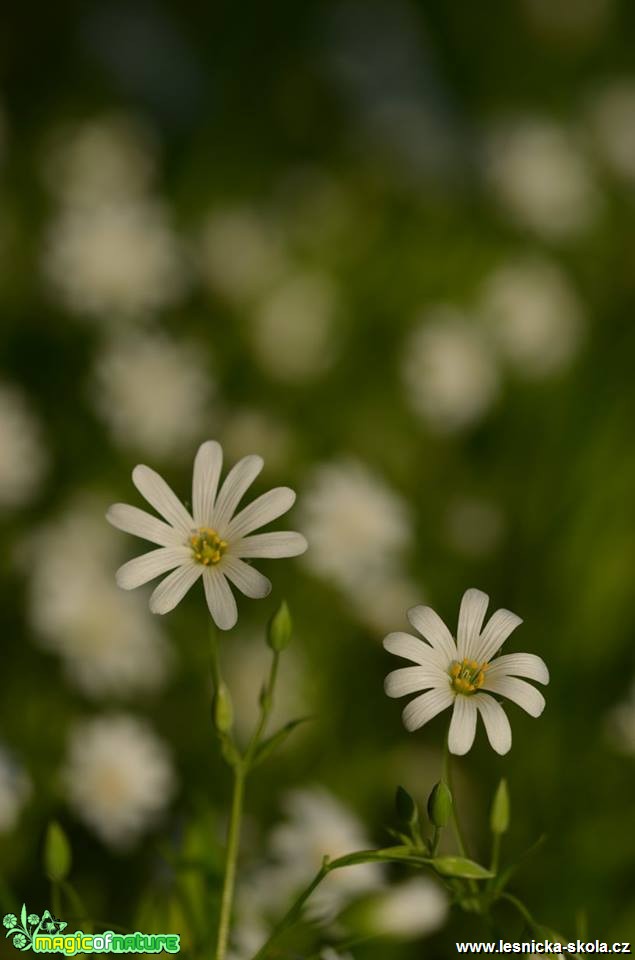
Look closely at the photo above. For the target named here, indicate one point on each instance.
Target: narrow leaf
(268, 746)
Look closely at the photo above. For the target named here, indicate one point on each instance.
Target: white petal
(425, 707)
(236, 484)
(431, 626)
(519, 691)
(249, 581)
(496, 723)
(462, 726)
(141, 524)
(220, 599)
(407, 680)
(526, 665)
(156, 491)
(498, 628)
(151, 565)
(172, 590)
(207, 467)
(471, 616)
(412, 648)
(283, 543)
(263, 510)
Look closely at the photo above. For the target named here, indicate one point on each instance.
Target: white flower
(22, 456)
(357, 526)
(118, 777)
(612, 119)
(15, 788)
(161, 422)
(542, 178)
(212, 542)
(415, 908)
(318, 824)
(293, 330)
(117, 258)
(457, 673)
(449, 370)
(108, 644)
(534, 314)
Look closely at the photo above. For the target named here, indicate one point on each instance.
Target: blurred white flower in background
(474, 526)
(248, 428)
(534, 314)
(379, 600)
(449, 370)
(106, 156)
(611, 116)
(240, 253)
(407, 910)
(358, 527)
(118, 777)
(293, 330)
(153, 392)
(108, 644)
(244, 667)
(541, 177)
(569, 20)
(15, 789)
(23, 460)
(620, 724)
(115, 259)
(318, 824)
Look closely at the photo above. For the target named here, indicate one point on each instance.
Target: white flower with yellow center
(212, 542)
(457, 673)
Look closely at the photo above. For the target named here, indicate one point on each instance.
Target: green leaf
(268, 746)
(280, 628)
(23, 916)
(499, 814)
(460, 867)
(406, 807)
(57, 853)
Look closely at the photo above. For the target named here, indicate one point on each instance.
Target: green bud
(57, 853)
(461, 867)
(279, 629)
(222, 710)
(440, 804)
(406, 807)
(499, 814)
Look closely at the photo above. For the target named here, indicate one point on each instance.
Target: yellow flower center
(207, 546)
(467, 676)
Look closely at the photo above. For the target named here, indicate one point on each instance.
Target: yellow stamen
(207, 546)
(467, 676)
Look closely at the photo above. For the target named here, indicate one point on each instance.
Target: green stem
(229, 881)
(266, 705)
(294, 912)
(521, 908)
(456, 823)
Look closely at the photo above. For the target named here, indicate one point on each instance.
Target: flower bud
(440, 804)
(499, 814)
(222, 710)
(279, 629)
(406, 807)
(57, 853)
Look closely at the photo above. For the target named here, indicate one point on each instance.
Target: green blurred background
(390, 247)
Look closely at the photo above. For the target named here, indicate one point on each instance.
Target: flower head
(212, 542)
(19, 941)
(33, 918)
(457, 673)
(10, 921)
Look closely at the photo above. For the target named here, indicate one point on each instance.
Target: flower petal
(263, 510)
(172, 590)
(407, 680)
(462, 726)
(207, 467)
(283, 543)
(425, 707)
(156, 491)
(497, 726)
(431, 626)
(141, 524)
(248, 580)
(412, 648)
(220, 599)
(151, 565)
(526, 665)
(471, 616)
(519, 691)
(236, 484)
(498, 628)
